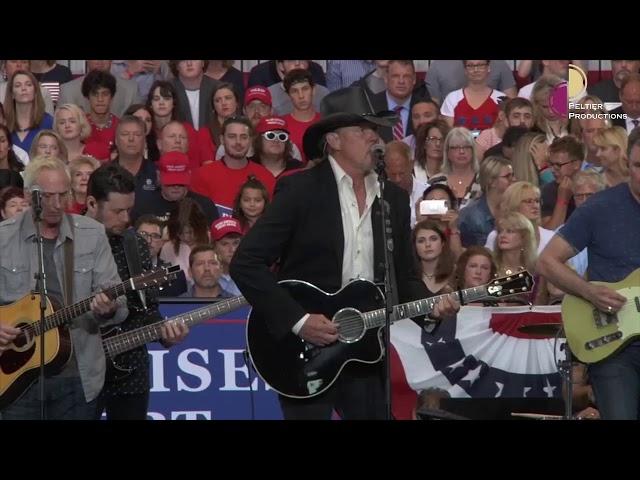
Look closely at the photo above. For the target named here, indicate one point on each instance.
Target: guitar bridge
(599, 342)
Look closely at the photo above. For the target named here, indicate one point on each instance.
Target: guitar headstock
(518, 282)
(155, 277)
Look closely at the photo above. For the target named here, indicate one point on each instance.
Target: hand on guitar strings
(605, 299)
(444, 308)
(173, 333)
(319, 330)
(7, 335)
(103, 306)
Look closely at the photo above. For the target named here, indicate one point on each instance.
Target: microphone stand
(390, 285)
(41, 288)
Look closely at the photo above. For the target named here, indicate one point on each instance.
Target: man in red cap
(221, 181)
(174, 178)
(257, 103)
(226, 233)
(273, 147)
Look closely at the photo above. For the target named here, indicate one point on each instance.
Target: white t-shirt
(545, 237)
(194, 105)
(455, 97)
(525, 92)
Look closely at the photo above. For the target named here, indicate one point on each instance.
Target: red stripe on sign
(403, 397)
(509, 323)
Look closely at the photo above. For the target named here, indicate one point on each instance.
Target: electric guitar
(297, 369)
(115, 342)
(20, 364)
(594, 335)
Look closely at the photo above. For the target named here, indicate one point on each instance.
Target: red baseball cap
(174, 168)
(268, 124)
(258, 92)
(224, 226)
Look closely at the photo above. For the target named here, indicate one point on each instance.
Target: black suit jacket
(379, 103)
(618, 122)
(303, 228)
(266, 74)
(207, 87)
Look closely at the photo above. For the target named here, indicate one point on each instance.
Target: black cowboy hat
(313, 140)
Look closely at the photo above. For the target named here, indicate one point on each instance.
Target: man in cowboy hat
(324, 227)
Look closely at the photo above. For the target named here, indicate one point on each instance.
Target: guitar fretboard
(377, 318)
(68, 313)
(149, 333)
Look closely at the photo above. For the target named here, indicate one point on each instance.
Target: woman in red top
(80, 169)
(475, 106)
(161, 101)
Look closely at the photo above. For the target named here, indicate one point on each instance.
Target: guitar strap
(68, 265)
(132, 255)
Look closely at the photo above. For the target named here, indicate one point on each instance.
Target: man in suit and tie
(399, 97)
(194, 90)
(608, 90)
(630, 98)
(126, 90)
(323, 227)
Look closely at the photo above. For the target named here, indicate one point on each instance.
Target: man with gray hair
(73, 389)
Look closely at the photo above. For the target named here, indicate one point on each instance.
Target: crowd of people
(244, 181)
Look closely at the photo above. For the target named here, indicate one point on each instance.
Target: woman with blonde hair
(515, 244)
(529, 159)
(612, 153)
(460, 166)
(72, 125)
(80, 169)
(524, 198)
(47, 143)
(546, 120)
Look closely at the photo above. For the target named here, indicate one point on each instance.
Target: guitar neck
(67, 314)
(135, 338)
(377, 318)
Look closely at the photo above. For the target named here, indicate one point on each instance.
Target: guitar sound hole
(350, 325)
(25, 337)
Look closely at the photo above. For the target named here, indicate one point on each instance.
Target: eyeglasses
(280, 136)
(531, 201)
(476, 66)
(581, 196)
(560, 165)
(152, 236)
(460, 148)
(434, 139)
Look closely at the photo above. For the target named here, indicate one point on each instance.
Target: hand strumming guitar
(7, 336)
(319, 330)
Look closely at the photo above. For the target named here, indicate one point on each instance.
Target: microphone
(377, 151)
(36, 200)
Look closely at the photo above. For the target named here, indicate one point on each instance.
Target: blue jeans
(64, 398)
(616, 384)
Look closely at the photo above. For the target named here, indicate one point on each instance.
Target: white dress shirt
(357, 258)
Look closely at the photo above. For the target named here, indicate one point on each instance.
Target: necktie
(398, 128)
